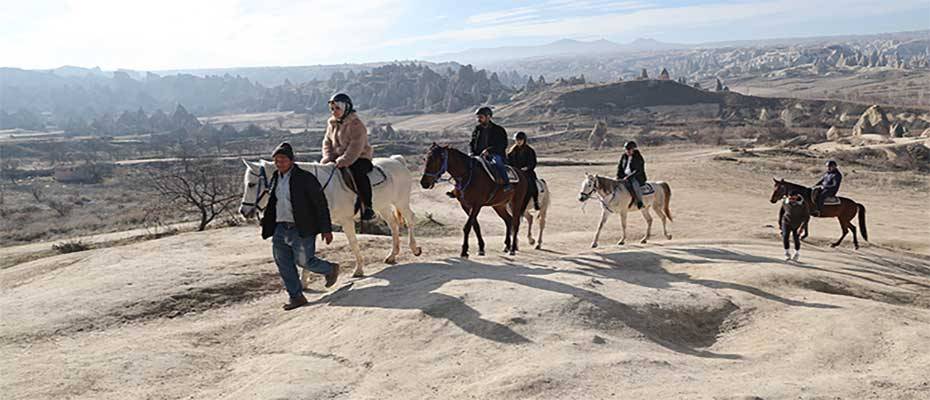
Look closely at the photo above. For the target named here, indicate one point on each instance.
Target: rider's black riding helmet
(520, 136)
(342, 98)
(484, 111)
(831, 163)
(631, 145)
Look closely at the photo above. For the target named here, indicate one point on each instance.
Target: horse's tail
(862, 229)
(668, 199)
(400, 159)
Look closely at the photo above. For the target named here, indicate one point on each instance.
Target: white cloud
(201, 33)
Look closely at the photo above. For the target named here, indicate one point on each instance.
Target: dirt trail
(714, 313)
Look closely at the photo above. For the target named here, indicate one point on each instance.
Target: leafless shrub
(202, 188)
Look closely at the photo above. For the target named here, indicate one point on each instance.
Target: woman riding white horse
(390, 199)
(615, 197)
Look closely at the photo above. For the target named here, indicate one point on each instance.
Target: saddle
(831, 201)
(512, 176)
(646, 190)
(376, 177)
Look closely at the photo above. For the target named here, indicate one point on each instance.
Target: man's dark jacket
(311, 213)
(492, 137)
(638, 166)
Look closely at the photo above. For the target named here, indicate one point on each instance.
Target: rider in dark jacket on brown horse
(522, 157)
(632, 171)
(489, 140)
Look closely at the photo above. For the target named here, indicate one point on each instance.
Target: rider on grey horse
(632, 171)
(522, 157)
(827, 186)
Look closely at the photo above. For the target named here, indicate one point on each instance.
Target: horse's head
(588, 187)
(255, 189)
(779, 191)
(437, 164)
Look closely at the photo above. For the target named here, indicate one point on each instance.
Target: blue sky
(168, 34)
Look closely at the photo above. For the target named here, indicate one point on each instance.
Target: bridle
(604, 202)
(260, 191)
(460, 184)
(589, 194)
(443, 168)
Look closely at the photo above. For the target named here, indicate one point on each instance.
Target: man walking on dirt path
(297, 212)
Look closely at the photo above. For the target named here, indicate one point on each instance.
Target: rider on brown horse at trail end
(827, 186)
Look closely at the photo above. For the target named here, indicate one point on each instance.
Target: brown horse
(475, 189)
(843, 212)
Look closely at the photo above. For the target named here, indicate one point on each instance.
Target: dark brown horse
(475, 189)
(843, 212)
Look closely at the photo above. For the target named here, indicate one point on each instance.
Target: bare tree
(280, 120)
(203, 188)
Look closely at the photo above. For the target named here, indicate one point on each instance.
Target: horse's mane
(607, 183)
(806, 190)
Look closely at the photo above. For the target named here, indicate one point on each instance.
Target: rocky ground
(713, 313)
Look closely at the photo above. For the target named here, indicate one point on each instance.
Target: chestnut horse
(475, 190)
(843, 212)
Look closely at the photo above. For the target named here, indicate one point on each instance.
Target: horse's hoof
(669, 237)
(593, 245)
(481, 252)
(539, 246)
(531, 241)
(513, 253)
(643, 241)
(390, 260)
(418, 252)
(621, 243)
(464, 255)
(834, 245)
(856, 247)
(358, 274)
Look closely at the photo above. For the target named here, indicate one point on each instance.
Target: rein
(316, 168)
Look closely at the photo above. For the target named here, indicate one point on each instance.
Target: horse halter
(591, 193)
(260, 191)
(443, 168)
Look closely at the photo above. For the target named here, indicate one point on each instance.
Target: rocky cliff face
(395, 88)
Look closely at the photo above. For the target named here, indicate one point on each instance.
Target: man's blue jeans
(501, 165)
(291, 250)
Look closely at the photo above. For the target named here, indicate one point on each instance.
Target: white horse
(614, 197)
(539, 215)
(390, 200)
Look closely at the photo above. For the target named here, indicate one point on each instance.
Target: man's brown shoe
(333, 276)
(295, 303)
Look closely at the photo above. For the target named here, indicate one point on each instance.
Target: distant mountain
(564, 47)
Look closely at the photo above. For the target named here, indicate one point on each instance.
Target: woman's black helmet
(520, 136)
(831, 163)
(484, 111)
(343, 98)
(630, 145)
